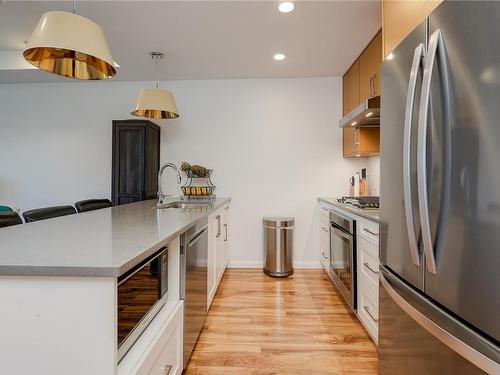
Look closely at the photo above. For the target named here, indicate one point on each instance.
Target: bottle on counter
(363, 184)
(356, 184)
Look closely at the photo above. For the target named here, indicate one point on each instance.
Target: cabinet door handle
(219, 230)
(367, 265)
(225, 230)
(372, 85)
(367, 309)
(166, 369)
(370, 232)
(324, 256)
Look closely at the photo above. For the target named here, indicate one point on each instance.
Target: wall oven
(343, 256)
(142, 292)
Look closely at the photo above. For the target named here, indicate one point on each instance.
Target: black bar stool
(47, 213)
(92, 204)
(9, 218)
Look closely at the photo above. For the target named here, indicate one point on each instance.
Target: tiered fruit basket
(197, 187)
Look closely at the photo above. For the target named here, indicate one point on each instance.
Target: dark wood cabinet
(136, 161)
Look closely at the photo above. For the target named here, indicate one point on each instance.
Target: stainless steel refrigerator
(440, 196)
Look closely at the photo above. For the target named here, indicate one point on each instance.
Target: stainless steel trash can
(278, 246)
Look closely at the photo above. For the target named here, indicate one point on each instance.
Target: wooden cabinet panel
(351, 88)
(399, 18)
(369, 69)
(361, 82)
(350, 141)
(361, 142)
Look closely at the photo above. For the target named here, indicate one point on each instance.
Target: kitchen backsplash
(372, 166)
(373, 175)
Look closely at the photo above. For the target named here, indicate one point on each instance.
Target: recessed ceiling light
(354, 123)
(279, 56)
(369, 114)
(286, 6)
(390, 56)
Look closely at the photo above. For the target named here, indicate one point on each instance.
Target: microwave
(142, 292)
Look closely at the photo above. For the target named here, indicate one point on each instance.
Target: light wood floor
(298, 325)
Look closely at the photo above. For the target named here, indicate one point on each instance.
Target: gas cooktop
(364, 203)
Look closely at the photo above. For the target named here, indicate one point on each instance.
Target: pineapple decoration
(195, 186)
(194, 170)
(185, 167)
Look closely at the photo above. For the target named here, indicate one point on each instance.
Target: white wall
(274, 146)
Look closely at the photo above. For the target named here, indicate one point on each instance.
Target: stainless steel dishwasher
(194, 289)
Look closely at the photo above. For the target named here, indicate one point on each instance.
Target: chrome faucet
(161, 195)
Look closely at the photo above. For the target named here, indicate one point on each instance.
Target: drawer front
(325, 260)
(170, 360)
(324, 239)
(324, 223)
(369, 231)
(368, 311)
(368, 263)
(324, 211)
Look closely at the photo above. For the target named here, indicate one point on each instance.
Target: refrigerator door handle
(436, 46)
(418, 60)
(472, 355)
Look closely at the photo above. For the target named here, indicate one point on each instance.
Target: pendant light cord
(156, 75)
(157, 56)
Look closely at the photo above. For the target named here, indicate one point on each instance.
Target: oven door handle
(339, 232)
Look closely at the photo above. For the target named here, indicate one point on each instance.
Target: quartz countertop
(106, 242)
(370, 214)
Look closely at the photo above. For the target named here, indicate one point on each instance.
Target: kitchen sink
(183, 205)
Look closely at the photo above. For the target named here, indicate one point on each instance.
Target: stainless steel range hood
(367, 114)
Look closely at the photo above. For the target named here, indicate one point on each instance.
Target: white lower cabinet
(324, 238)
(367, 275)
(225, 228)
(367, 263)
(218, 249)
(368, 310)
(170, 359)
(159, 350)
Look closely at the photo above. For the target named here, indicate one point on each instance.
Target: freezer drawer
(418, 337)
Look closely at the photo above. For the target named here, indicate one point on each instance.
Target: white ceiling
(210, 39)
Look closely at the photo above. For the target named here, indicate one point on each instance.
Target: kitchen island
(58, 286)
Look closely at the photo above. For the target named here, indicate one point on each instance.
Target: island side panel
(58, 325)
(174, 270)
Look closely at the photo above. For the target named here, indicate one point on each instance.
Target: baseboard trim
(306, 265)
(253, 264)
(244, 264)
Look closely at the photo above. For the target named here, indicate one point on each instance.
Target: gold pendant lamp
(70, 45)
(154, 102)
